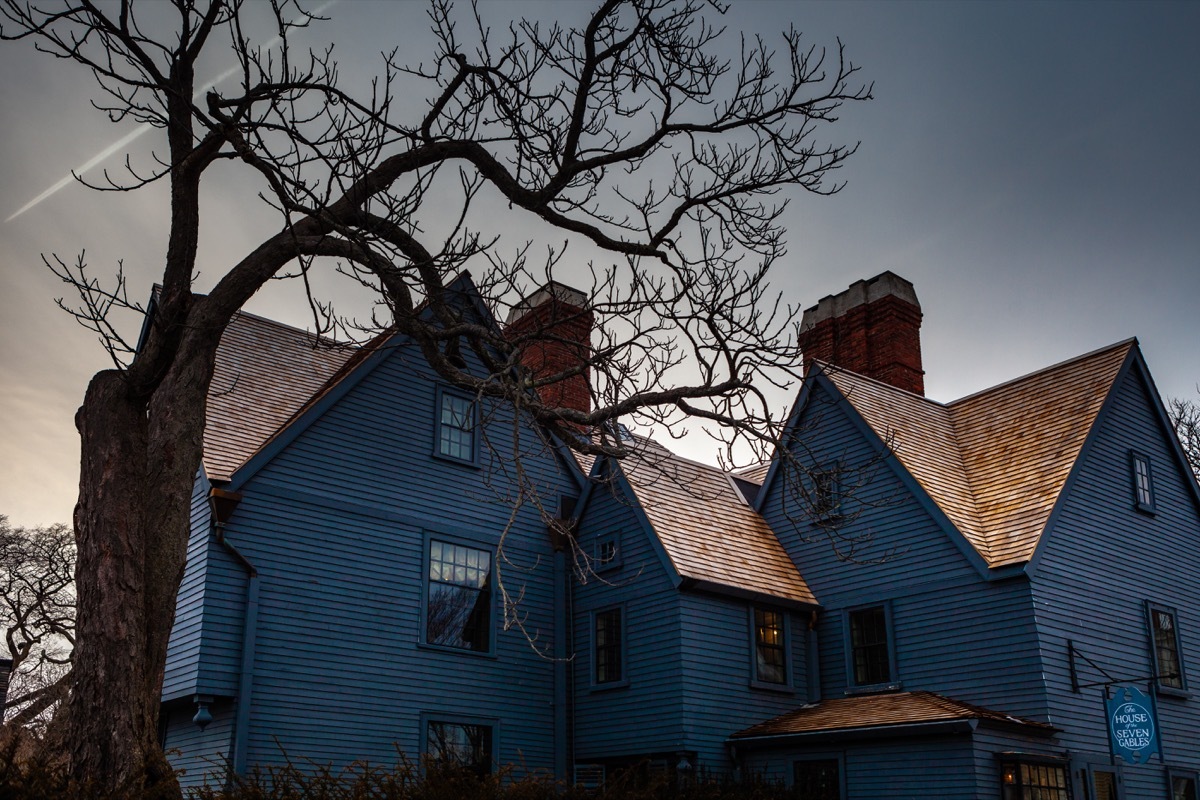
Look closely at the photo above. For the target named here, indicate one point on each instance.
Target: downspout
(562, 621)
(222, 503)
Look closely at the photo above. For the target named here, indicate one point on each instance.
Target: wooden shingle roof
(879, 711)
(994, 462)
(707, 529)
(264, 373)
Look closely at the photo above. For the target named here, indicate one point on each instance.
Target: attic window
(457, 421)
(1143, 482)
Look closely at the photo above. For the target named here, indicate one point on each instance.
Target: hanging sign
(1132, 724)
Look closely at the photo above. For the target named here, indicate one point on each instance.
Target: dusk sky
(1032, 168)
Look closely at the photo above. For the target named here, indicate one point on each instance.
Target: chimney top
(861, 292)
(553, 290)
(873, 328)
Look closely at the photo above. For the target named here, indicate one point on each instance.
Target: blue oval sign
(1132, 727)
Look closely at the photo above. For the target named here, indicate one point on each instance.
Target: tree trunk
(141, 453)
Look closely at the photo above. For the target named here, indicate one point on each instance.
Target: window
(770, 648)
(1164, 644)
(817, 779)
(1183, 787)
(1143, 483)
(827, 493)
(1033, 781)
(606, 552)
(608, 649)
(870, 649)
(456, 426)
(459, 745)
(459, 598)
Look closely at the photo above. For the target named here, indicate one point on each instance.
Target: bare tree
(37, 611)
(629, 133)
(1185, 416)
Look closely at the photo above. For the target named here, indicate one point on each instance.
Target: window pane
(456, 429)
(458, 605)
(608, 646)
(1183, 788)
(869, 646)
(769, 652)
(817, 780)
(1104, 785)
(1166, 648)
(1141, 472)
(1022, 781)
(454, 745)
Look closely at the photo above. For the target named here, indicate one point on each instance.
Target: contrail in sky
(139, 130)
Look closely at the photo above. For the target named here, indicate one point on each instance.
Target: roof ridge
(1132, 340)
(333, 343)
(834, 368)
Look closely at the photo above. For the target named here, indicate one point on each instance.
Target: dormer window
(1143, 482)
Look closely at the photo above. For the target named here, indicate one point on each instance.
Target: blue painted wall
(954, 632)
(337, 523)
(1101, 562)
(644, 717)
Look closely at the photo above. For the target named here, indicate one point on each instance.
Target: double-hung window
(457, 422)
(1183, 786)
(458, 603)
(870, 658)
(770, 647)
(608, 647)
(459, 745)
(1164, 645)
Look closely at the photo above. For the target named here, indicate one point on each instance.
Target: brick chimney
(873, 328)
(556, 326)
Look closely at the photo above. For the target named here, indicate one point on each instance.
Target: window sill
(875, 688)
(1171, 691)
(462, 462)
(777, 688)
(605, 687)
(457, 651)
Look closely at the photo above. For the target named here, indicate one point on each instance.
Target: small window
(827, 493)
(1164, 643)
(1143, 483)
(459, 745)
(870, 649)
(459, 598)
(817, 779)
(1183, 787)
(1033, 781)
(770, 648)
(456, 425)
(606, 552)
(609, 646)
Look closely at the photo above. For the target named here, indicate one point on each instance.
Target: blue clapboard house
(995, 597)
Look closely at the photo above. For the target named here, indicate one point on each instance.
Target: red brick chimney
(873, 328)
(554, 325)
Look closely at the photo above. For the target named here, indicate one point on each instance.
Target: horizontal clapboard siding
(954, 632)
(644, 717)
(1103, 560)
(718, 698)
(183, 648)
(337, 524)
(915, 768)
(198, 756)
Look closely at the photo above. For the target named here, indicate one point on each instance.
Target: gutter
(222, 503)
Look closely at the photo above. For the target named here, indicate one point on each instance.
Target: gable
(994, 463)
